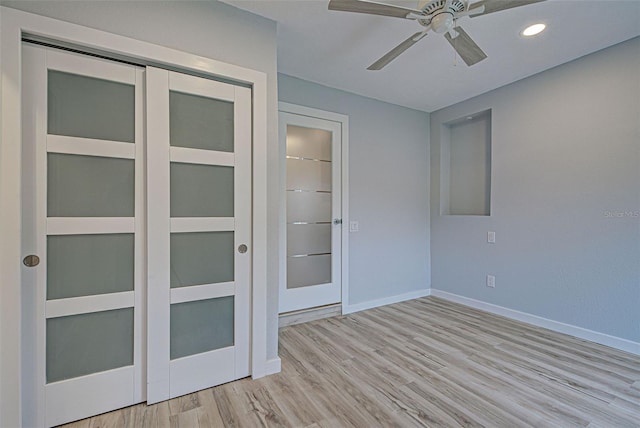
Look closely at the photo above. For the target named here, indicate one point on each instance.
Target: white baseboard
(270, 367)
(273, 366)
(349, 309)
(572, 330)
(306, 315)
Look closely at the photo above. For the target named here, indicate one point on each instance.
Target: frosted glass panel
(201, 326)
(308, 175)
(308, 206)
(201, 190)
(304, 271)
(308, 239)
(200, 123)
(78, 345)
(89, 186)
(308, 143)
(82, 265)
(308, 201)
(81, 106)
(201, 258)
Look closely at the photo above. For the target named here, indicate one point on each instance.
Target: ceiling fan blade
(395, 52)
(372, 8)
(466, 47)
(491, 6)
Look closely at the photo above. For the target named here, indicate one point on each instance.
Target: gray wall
(388, 189)
(565, 197)
(210, 29)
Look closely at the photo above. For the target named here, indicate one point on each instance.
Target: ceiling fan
(439, 16)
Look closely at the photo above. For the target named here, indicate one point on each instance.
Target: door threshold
(311, 314)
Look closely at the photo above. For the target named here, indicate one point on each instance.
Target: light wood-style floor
(426, 362)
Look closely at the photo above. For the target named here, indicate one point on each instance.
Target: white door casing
(304, 243)
(17, 391)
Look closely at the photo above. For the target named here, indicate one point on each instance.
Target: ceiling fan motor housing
(429, 7)
(440, 20)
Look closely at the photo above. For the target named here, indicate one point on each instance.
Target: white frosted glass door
(313, 212)
(84, 151)
(199, 202)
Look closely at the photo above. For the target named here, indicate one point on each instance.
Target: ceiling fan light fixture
(534, 29)
(442, 22)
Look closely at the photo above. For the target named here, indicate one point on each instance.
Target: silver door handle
(242, 248)
(337, 221)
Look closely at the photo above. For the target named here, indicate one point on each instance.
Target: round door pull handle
(31, 260)
(242, 248)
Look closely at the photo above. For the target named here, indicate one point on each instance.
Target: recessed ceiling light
(534, 29)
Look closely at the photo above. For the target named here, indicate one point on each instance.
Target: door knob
(31, 260)
(242, 248)
(337, 221)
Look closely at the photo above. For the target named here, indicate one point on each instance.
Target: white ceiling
(335, 48)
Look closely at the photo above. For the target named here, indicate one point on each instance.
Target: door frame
(14, 26)
(343, 121)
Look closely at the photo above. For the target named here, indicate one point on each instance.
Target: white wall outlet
(491, 237)
(491, 281)
(354, 226)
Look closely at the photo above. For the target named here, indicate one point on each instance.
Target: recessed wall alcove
(465, 180)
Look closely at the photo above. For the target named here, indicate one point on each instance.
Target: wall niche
(466, 165)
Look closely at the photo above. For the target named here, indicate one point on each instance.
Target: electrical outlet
(491, 281)
(491, 237)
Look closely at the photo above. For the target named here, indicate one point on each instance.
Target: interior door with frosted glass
(313, 212)
(199, 241)
(83, 155)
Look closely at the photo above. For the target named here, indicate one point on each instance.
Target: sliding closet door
(137, 283)
(199, 255)
(84, 211)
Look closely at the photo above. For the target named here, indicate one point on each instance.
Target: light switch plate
(491, 237)
(354, 226)
(491, 281)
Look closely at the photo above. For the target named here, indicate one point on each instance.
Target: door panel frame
(171, 378)
(16, 395)
(49, 398)
(343, 121)
(66, 396)
(317, 294)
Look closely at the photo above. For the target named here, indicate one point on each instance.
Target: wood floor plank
(530, 390)
(499, 324)
(183, 404)
(185, 419)
(603, 388)
(208, 414)
(84, 423)
(118, 418)
(228, 406)
(426, 362)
